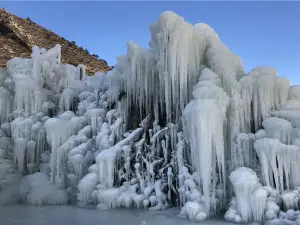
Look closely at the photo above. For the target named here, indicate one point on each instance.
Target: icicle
(245, 151)
(246, 97)
(204, 141)
(264, 95)
(244, 182)
(19, 153)
(57, 133)
(31, 156)
(170, 177)
(294, 93)
(6, 100)
(279, 129)
(86, 187)
(258, 203)
(278, 161)
(281, 95)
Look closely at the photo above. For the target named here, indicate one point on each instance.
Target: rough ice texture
(247, 191)
(294, 93)
(203, 124)
(172, 125)
(279, 163)
(280, 129)
(36, 189)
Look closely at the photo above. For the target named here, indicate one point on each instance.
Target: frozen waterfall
(177, 124)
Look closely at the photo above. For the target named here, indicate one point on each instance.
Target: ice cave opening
(179, 124)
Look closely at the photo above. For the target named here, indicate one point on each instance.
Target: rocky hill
(18, 35)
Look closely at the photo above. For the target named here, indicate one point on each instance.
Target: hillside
(18, 35)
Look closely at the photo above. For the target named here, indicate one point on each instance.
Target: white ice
(174, 124)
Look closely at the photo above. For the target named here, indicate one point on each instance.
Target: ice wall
(30, 92)
(166, 127)
(227, 107)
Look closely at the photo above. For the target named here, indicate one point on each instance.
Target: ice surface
(67, 215)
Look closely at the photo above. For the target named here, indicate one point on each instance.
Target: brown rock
(18, 36)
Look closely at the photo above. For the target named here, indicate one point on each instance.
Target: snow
(178, 124)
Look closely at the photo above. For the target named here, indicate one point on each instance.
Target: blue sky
(262, 33)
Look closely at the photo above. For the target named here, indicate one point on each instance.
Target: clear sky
(262, 33)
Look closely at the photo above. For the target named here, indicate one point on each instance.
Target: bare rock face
(18, 35)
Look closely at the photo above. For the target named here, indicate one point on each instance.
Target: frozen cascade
(246, 97)
(204, 119)
(245, 152)
(179, 59)
(250, 198)
(31, 87)
(243, 190)
(164, 128)
(282, 88)
(279, 161)
(171, 67)
(294, 93)
(6, 105)
(269, 93)
(279, 129)
(263, 94)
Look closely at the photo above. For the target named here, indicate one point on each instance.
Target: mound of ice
(36, 189)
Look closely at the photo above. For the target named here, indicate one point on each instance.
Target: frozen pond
(68, 215)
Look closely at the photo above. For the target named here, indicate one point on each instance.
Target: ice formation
(250, 197)
(178, 124)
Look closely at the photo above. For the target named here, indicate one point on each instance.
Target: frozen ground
(67, 215)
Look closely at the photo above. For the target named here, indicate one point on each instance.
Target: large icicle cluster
(171, 68)
(178, 124)
(204, 119)
(252, 201)
(30, 92)
(277, 148)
